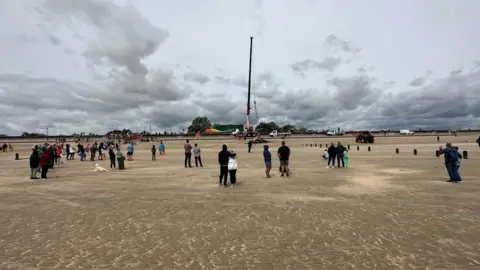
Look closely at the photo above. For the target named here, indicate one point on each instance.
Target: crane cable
(254, 93)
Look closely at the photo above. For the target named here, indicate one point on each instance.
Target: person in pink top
(59, 155)
(88, 148)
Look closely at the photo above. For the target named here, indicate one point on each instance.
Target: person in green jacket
(340, 154)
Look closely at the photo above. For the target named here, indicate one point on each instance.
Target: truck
(335, 133)
(365, 137)
(275, 133)
(406, 132)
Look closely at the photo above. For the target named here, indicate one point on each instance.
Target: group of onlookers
(44, 158)
(338, 153)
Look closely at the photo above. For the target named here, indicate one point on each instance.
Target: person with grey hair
(451, 157)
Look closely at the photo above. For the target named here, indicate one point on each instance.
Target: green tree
(288, 128)
(267, 127)
(200, 123)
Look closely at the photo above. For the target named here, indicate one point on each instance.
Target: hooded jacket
(223, 156)
(267, 156)
(340, 149)
(34, 159)
(332, 151)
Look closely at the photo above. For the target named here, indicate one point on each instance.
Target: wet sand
(387, 211)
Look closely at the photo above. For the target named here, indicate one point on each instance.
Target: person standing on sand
(111, 156)
(130, 149)
(284, 157)
(232, 169)
(34, 163)
(250, 143)
(161, 148)
(154, 152)
(332, 154)
(267, 158)
(340, 154)
(223, 159)
(198, 158)
(188, 153)
(478, 141)
(451, 158)
(45, 163)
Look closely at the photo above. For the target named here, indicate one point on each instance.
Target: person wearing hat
(34, 162)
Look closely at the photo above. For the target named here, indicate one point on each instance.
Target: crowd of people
(43, 158)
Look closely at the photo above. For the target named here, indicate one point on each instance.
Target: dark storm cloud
(328, 64)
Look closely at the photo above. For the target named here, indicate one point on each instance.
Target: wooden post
(369, 149)
(414, 152)
(17, 156)
(465, 154)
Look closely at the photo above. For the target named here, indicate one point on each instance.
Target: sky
(97, 65)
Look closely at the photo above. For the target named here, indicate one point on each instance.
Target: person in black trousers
(332, 154)
(188, 154)
(112, 156)
(250, 143)
(223, 158)
(340, 154)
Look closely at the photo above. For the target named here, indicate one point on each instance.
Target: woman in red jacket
(45, 163)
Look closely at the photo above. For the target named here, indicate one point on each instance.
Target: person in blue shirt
(267, 158)
(130, 150)
(451, 158)
(161, 148)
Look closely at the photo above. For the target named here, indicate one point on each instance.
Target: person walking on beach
(188, 153)
(340, 154)
(198, 158)
(451, 158)
(223, 159)
(232, 169)
(45, 163)
(267, 158)
(478, 141)
(284, 157)
(34, 163)
(154, 152)
(111, 156)
(332, 154)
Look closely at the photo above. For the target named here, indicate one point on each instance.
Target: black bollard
(310, 145)
(465, 154)
(348, 147)
(315, 145)
(437, 153)
(17, 156)
(369, 149)
(414, 152)
(358, 148)
(397, 151)
(438, 138)
(321, 145)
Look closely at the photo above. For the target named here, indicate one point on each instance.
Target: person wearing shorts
(284, 156)
(130, 150)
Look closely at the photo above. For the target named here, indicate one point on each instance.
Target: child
(154, 153)
(198, 158)
(325, 154)
(345, 158)
(161, 148)
(232, 169)
(59, 155)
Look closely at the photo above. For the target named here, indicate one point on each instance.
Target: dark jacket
(340, 149)
(267, 156)
(224, 155)
(111, 154)
(332, 151)
(34, 159)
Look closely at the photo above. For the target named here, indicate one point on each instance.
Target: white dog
(99, 169)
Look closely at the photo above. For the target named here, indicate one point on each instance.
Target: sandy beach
(387, 211)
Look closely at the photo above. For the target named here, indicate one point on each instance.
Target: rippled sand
(386, 211)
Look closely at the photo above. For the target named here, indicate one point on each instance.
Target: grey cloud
(54, 40)
(196, 77)
(240, 81)
(417, 82)
(329, 63)
(354, 91)
(334, 42)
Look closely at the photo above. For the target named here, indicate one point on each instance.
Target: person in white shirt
(232, 169)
